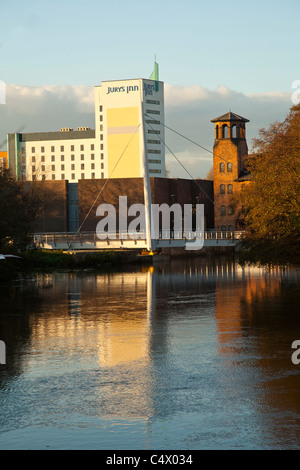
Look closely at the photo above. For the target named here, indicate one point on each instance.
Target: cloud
(188, 111)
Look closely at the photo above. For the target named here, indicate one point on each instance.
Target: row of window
(222, 167)
(229, 210)
(73, 176)
(62, 148)
(223, 189)
(230, 228)
(62, 167)
(62, 158)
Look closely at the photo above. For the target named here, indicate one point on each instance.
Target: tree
(21, 203)
(272, 199)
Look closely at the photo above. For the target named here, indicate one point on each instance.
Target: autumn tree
(271, 202)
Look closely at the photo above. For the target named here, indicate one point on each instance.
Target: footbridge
(90, 241)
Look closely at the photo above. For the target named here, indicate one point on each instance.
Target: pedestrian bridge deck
(91, 241)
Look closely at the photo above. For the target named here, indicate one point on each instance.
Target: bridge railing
(69, 238)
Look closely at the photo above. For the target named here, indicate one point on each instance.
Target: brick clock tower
(230, 150)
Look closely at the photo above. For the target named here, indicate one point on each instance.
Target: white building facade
(129, 119)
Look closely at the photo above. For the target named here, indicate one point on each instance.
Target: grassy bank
(47, 261)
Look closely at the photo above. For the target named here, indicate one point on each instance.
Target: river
(189, 354)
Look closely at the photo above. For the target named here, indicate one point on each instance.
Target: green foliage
(272, 199)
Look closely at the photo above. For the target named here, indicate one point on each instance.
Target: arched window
(229, 167)
(229, 189)
(223, 210)
(225, 131)
(230, 228)
(233, 132)
(223, 228)
(222, 188)
(230, 210)
(217, 132)
(222, 167)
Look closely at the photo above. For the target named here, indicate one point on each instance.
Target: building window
(152, 121)
(73, 167)
(62, 167)
(152, 102)
(53, 177)
(72, 176)
(52, 158)
(152, 131)
(102, 166)
(229, 189)
(100, 108)
(72, 148)
(230, 228)
(102, 175)
(223, 210)
(230, 210)
(82, 157)
(72, 158)
(42, 158)
(42, 149)
(153, 151)
(223, 228)
(154, 171)
(102, 156)
(225, 131)
(33, 177)
(81, 147)
(82, 166)
(82, 176)
(93, 176)
(62, 177)
(152, 141)
(33, 169)
(101, 127)
(92, 166)
(43, 167)
(33, 159)
(32, 149)
(152, 111)
(222, 167)
(229, 167)
(101, 147)
(62, 158)
(222, 188)
(101, 136)
(53, 167)
(92, 156)
(43, 177)
(92, 147)
(62, 148)
(154, 161)
(52, 149)
(101, 117)
(233, 132)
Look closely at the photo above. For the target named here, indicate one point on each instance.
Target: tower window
(229, 189)
(225, 131)
(229, 167)
(233, 132)
(222, 167)
(222, 188)
(223, 210)
(230, 210)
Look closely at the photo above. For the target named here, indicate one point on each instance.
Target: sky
(213, 57)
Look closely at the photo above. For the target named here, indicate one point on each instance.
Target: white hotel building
(129, 117)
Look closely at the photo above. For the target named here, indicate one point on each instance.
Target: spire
(154, 75)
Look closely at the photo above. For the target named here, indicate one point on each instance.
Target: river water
(187, 355)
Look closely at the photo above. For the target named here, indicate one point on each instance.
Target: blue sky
(213, 56)
(247, 46)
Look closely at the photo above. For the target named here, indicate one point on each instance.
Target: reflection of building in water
(231, 296)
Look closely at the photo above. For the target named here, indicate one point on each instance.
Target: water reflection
(192, 354)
